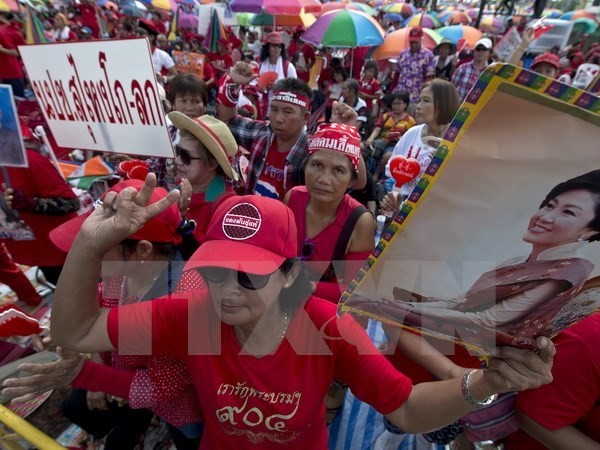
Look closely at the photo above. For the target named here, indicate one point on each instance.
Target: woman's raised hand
(120, 215)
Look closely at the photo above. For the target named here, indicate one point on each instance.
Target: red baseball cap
(548, 58)
(415, 34)
(161, 228)
(249, 233)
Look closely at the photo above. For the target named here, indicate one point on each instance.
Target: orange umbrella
(397, 41)
(459, 18)
(457, 32)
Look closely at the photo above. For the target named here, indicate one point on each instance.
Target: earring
(142, 261)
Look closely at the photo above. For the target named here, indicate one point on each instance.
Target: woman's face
(245, 307)
(328, 175)
(425, 111)
(444, 50)
(563, 220)
(274, 51)
(189, 104)
(200, 171)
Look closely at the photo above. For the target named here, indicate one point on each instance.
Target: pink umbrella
(276, 6)
(187, 20)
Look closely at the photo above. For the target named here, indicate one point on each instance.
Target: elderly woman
(332, 226)
(261, 350)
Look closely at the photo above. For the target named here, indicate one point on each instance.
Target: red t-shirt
(225, 59)
(201, 209)
(89, 19)
(41, 179)
(573, 397)
(10, 66)
(370, 87)
(272, 401)
(270, 183)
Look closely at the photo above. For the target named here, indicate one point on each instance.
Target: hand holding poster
(508, 44)
(499, 246)
(189, 62)
(99, 95)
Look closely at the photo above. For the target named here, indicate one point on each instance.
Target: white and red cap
(337, 137)
(249, 233)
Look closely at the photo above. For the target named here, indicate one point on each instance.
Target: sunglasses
(185, 156)
(249, 281)
(481, 49)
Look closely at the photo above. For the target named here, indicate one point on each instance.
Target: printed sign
(12, 150)
(508, 44)
(100, 95)
(482, 253)
(189, 62)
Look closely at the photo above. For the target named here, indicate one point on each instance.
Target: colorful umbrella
(9, 6)
(587, 26)
(296, 20)
(162, 4)
(334, 6)
(363, 7)
(491, 24)
(34, 30)
(572, 15)
(276, 6)
(552, 13)
(456, 32)
(473, 13)
(457, 18)
(423, 20)
(445, 13)
(215, 31)
(345, 29)
(405, 9)
(394, 17)
(397, 41)
(187, 20)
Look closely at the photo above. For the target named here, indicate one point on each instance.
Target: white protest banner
(12, 151)
(100, 95)
(508, 44)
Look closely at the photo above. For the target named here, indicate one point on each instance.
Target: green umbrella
(587, 26)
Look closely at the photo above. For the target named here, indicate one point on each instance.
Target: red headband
(290, 97)
(339, 138)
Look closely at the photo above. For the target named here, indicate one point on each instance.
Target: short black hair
(295, 85)
(401, 95)
(590, 182)
(187, 83)
(264, 52)
(370, 64)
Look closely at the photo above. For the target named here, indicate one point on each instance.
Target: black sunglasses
(185, 156)
(249, 281)
(481, 49)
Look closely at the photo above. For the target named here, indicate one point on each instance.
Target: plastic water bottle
(380, 227)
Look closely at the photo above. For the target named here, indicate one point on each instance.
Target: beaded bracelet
(465, 385)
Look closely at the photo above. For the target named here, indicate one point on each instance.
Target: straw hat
(215, 136)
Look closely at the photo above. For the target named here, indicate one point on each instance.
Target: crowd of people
(221, 269)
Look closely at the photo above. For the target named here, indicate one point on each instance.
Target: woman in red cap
(546, 64)
(332, 226)
(261, 350)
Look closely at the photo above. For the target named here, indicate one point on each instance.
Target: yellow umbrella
(162, 4)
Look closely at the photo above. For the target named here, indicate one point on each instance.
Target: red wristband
(229, 92)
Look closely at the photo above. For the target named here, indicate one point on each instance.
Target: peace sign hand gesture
(120, 215)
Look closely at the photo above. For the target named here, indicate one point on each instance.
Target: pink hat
(161, 228)
(415, 34)
(274, 38)
(339, 138)
(252, 234)
(548, 58)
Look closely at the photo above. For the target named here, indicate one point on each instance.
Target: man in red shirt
(10, 65)
(89, 18)
(221, 61)
(302, 55)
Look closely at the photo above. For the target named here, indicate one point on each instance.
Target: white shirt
(161, 59)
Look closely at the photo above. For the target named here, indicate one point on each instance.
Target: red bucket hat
(548, 58)
(274, 38)
(161, 228)
(250, 233)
